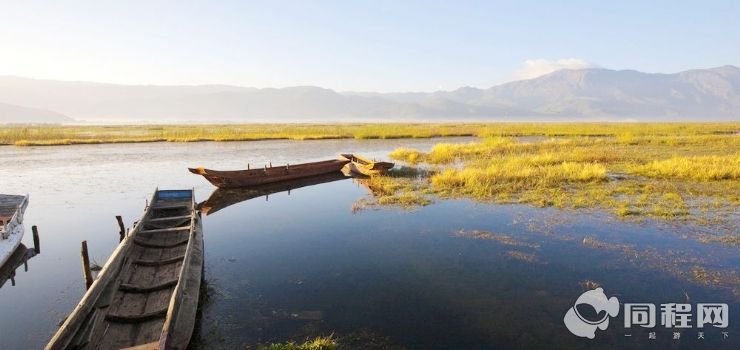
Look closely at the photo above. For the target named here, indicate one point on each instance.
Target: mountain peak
(726, 70)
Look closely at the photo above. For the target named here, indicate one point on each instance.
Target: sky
(358, 45)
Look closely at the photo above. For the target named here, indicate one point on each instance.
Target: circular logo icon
(584, 327)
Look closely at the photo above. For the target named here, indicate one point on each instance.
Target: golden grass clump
(700, 168)
(319, 343)
(401, 187)
(407, 155)
(517, 175)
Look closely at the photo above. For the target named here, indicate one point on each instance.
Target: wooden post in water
(36, 240)
(122, 233)
(86, 266)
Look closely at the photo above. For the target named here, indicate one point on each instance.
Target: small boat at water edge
(146, 295)
(12, 208)
(364, 166)
(259, 176)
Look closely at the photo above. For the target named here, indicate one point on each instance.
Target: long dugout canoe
(146, 295)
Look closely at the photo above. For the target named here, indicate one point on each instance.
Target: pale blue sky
(353, 45)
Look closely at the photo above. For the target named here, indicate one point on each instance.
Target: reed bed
(700, 168)
(690, 174)
(41, 135)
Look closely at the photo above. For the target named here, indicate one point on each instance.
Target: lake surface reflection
(301, 263)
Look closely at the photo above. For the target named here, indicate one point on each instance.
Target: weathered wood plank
(138, 317)
(164, 230)
(130, 288)
(179, 325)
(160, 245)
(160, 262)
(171, 206)
(168, 218)
(150, 346)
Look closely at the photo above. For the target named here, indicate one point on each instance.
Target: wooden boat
(146, 295)
(12, 208)
(365, 166)
(224, 197)
(253, 177)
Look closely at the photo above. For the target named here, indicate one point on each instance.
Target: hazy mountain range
(584, 94)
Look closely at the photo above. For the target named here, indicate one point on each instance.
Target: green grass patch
(319, 343)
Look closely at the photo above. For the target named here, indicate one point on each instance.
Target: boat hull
(12, 208)
(146, 295)
(255, 177)
(11, 243)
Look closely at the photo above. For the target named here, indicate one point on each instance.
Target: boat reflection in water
(224, 197)
(19, 257)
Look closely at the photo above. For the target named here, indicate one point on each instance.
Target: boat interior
(133, 308)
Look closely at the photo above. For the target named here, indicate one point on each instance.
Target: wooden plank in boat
(163, 230)
(150, 346)
(171, 206)
(168, 218)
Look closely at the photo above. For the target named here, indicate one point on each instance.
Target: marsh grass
(319, 343)
(728, 239)
(494, 236)
(401, 187)
(690, 174)
(698, 168)
(33, 135)
(21, 135)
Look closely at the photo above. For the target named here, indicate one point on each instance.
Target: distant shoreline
(55, 135)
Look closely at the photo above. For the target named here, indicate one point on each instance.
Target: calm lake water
(453, 275)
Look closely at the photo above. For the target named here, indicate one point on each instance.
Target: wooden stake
(122, 233)
(36, 240)
(86, 265)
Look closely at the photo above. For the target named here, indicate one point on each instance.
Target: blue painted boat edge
(174, 194)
